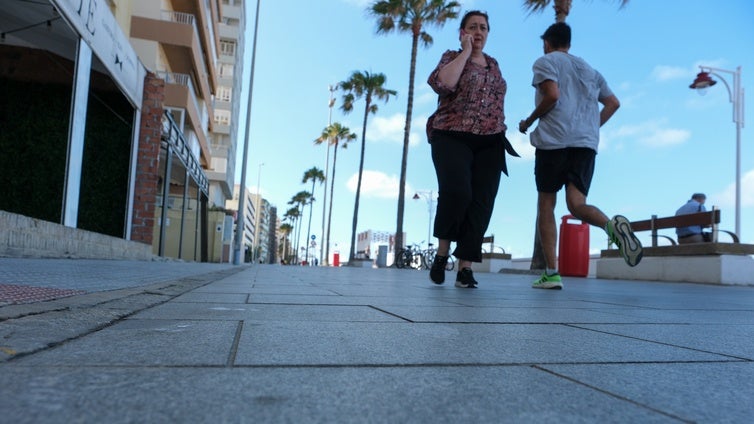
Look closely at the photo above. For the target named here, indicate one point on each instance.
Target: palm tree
(301, 199)
(333, 134)
(370, 87)
(562, 9)
(315, 175)
(410, 16)
(292, 215)
(285, 229)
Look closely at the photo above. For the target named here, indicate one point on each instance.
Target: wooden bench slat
(692, 249)
(699, 218)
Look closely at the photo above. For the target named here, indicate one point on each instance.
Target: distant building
(368, 242)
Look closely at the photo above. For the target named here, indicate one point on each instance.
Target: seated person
(694, 233)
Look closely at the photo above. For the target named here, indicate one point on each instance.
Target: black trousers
(468, 171)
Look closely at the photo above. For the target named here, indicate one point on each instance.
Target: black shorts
(555, 168)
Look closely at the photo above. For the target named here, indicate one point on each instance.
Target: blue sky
(664, 143)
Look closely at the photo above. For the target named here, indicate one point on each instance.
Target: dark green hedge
(33, 144)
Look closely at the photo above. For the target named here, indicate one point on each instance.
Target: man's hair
(698, 196)
(558, 35)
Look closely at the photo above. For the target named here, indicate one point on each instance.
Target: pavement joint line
(234, 346)
(9, 353)
(659, 343)
(379, 366)
(390, 313)
(614, 395)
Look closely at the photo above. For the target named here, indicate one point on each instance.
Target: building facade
(117, 125)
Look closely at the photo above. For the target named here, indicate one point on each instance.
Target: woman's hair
(475, 13)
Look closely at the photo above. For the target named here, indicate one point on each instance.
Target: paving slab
(722, 339)
(146, 343)
(270, 343)
(329, 344)
(308, 395)
(711, 392)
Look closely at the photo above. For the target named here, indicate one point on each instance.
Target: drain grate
(11, 294)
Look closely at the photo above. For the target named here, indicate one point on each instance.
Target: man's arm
(610, 105)
(550, 95)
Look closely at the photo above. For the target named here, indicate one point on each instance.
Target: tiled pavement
(296, 344)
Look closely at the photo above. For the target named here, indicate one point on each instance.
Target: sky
(664, 143)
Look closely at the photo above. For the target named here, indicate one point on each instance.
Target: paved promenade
(167, 342)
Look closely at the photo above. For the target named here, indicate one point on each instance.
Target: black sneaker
(465, 279)
(437, 272)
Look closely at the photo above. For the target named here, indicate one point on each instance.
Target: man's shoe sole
(553, 286)
(630, 247)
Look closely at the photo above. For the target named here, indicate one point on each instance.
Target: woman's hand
(467, 41)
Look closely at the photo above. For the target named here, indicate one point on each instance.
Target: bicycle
(428, 255)
(409, 257)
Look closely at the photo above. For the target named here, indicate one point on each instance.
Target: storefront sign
(95, 23)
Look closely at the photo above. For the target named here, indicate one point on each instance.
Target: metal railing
(173, 136)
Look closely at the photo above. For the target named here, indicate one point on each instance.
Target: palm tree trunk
(325, 240)
(399, 242)
(358, 183)
(562, 9)
(332, 194)
(537, 255)
(298, 233)
(309, 230)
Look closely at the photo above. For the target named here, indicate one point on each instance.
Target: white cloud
(359, 3)
(386, 129)
(652, 133)
(376, 184)
(520, 143)
(665, 137)
(727, 197)
(390, 129)
(667, 73)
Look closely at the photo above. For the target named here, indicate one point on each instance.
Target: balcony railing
(185, 80)
(173, 136)
(180, 17)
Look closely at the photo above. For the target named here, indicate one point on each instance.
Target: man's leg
(546, 226)
(576, 201)
(618, 231)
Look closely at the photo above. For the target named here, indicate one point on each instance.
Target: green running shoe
(548, 282)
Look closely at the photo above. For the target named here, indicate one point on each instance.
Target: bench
(709, 262)
(494, 257)
(705, 219)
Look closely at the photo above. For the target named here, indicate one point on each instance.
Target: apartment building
(125, 119)
(249, 220)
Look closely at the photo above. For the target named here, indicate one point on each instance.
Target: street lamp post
(429, 196)
(736, 97)
(240, 223)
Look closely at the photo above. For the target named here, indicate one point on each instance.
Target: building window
(222, 117)
(228, 47)
(226, 70)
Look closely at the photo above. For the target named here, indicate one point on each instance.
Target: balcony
(179, 93)
(178, 36)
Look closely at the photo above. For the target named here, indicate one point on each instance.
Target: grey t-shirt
(574, 121)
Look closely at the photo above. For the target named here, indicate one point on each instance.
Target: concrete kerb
(30, 328)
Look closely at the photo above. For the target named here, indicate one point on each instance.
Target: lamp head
(702, 82)
(416, 196)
